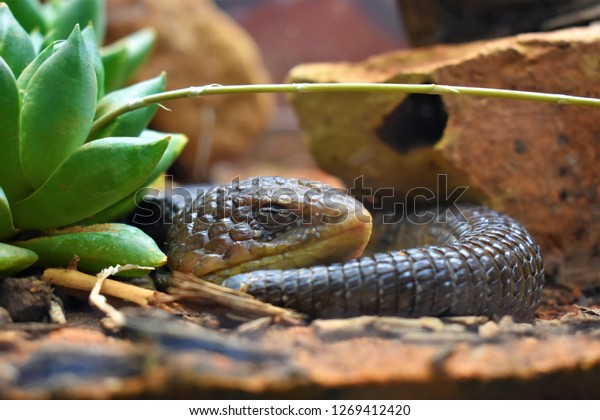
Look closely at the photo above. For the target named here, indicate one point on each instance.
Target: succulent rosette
(60, 186)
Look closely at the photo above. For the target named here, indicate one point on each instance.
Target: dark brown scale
(219, 245)
(219, 228)
(484, 264)
(242, 232)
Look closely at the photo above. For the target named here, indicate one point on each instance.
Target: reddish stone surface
(535, 161)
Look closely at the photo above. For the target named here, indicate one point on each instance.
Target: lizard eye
(274, 215)
(274, 218)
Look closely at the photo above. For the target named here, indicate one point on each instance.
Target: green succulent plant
(57, 178)
(55, 19)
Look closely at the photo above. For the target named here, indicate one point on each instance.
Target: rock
(198, 45)
(25, 299)
(434, 21)
(537, 162)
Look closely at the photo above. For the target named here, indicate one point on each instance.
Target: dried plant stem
(76, 280)
(188, 292)
(340, 88)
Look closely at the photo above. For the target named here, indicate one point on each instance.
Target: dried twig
(72, 279)
(191, 290)
(188, 293)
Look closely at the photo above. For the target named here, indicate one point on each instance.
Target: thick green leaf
(117, 210)
(15, 45)
(26, 75)
(28, 13)
(92, 47)
(58, 109)
(94, 177)
(112, 59)
(132, 123)
(176, 145)
(12, 179)
(14, 259)
(124, 57)
(97, 246)
(7, 228)
(63, 15)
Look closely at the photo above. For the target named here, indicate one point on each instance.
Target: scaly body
(254, 236)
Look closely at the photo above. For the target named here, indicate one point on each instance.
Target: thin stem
(340, 88)
(73, 279)
(188, 292)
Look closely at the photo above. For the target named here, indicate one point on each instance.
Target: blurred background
(259, 41)
(292, 32)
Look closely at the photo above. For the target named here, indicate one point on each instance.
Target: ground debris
(193, 292)
(161, 328)
(157, 354)
(593, 313)
(406, 329)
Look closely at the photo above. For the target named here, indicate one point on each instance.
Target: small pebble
(56, 312)
(4, 317)
(507, 324)
(427, 323)
(467, 320)
(489, 330)
(254, 328)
